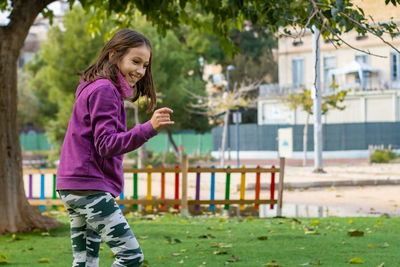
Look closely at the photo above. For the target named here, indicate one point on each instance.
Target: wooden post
(149, 197)
(162, 207)
(257, 189)
(184, 200)
(280, 186)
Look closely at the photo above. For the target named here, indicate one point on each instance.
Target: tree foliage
(305, 101)
(65, 53)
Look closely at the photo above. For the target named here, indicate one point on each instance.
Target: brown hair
(105, 67)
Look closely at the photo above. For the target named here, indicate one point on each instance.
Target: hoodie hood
(80, 88)
(124, 89)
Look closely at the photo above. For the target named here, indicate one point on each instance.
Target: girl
(90, 172)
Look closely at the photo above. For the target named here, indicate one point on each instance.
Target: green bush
(382, 156)
(158, 159)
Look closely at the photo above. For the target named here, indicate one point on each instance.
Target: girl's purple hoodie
(96, 139)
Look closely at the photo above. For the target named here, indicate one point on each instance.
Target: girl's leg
(105, 216)
(78, 238)
(92, 247)
(85, 241)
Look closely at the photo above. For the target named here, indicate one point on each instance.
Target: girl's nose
(141, 71)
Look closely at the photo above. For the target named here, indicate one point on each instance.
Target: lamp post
(228, 69)
(238, 119)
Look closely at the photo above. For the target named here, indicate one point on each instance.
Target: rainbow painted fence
(183, 202)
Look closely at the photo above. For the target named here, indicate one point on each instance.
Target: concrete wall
(375, 106)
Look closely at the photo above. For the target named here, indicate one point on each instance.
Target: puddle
(305, 210)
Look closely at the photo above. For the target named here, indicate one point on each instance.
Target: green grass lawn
(175, 241)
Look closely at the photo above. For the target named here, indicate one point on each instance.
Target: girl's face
(134, 63)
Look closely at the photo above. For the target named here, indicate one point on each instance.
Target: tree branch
(369, 30)
(325, 19)
(22, 16)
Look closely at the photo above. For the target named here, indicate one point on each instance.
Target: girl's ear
(111, 54)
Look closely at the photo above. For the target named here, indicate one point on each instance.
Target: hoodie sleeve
(108, 141)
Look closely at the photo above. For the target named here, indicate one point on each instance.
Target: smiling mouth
(134, 78)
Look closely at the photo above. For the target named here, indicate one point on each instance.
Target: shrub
(382, 156)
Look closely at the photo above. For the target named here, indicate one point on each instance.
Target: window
(362, 58)
(361, 37)
(298, 43)
(329, 64)
(298, 72)
(394, 66)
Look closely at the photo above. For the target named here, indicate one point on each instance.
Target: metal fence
(336, 137)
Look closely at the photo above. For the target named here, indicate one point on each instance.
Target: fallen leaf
(355, 233)
(220, 252)
(168, 238)
(315, 223)
(176, 254)
(356, 260)
(385, 245)
(177, 240)
(232, 259)
(220, 245)
(44, 260)
(296, 221)
(311, 233)
(264, 237)
(14, 237)
(3, 258)
(181, 261)
(370, 245)
(381, 265)
(272, 263)
(207, 236)
(318, 262)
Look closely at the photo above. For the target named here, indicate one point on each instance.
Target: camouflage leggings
(98, 216)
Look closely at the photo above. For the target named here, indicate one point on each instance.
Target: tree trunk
(142, 151)
(172, 142)
(16, 215)
(223, 141)
(305, 140)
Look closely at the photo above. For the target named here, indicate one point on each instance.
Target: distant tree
(222, 103)
(64, 54)
(175, 71)
(303, 100)
(255, 62)
(28, 103)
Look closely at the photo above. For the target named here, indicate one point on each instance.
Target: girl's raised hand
(161, 118)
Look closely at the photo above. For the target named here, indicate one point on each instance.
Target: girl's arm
(108, 142)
